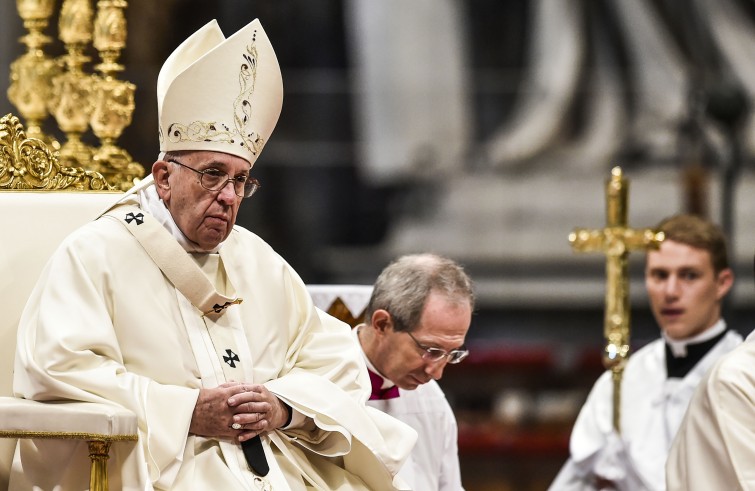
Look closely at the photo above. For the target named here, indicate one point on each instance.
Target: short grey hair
(402, 288)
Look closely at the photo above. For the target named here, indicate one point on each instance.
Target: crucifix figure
(616, 240)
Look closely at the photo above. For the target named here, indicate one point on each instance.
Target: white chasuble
(714, 446)
(104, 324)
(219, 345)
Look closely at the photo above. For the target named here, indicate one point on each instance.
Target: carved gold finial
(114, 99)
(29, 164)
(71, 102)
(32, 72)
(99, 453)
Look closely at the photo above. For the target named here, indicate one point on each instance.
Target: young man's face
(685, 293)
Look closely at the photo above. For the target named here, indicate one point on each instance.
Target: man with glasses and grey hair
(415, 324)
(165, 307)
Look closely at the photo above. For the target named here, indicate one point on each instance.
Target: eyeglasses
(215, 179)
(436, 354)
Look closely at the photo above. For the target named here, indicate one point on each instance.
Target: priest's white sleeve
(597, 452)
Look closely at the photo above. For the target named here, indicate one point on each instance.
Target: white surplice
(715, 446)
(104, 324)
(652, 407)
(434, 461)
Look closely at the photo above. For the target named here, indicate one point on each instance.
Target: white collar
(150, 201)
(679, 346)
(386, 382)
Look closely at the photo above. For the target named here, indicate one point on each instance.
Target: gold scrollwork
(29, 164)
(200, 131)
(242, 107)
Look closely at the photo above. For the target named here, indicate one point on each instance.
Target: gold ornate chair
(344, 302)
(41, 203)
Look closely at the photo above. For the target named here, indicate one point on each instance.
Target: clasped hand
(249, 407)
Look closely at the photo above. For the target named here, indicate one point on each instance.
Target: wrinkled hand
(251, 406)
(257, 410)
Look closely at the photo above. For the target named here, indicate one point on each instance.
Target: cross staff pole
(616, 240)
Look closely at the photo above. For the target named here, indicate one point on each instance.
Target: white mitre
(218, 94)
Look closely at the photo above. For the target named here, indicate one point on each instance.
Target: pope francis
(164, 307)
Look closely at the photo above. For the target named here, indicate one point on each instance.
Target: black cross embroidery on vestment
(231, 358)
(139, 217)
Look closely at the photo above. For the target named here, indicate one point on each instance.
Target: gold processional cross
(616, 240)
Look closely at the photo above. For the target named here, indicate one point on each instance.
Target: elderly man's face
(443, 324)
(205, 217)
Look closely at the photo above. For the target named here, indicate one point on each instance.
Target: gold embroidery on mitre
(213, 131)
(199, 131)
(242, 106)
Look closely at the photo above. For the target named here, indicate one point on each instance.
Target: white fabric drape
(412, 102)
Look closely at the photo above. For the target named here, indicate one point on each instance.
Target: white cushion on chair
(87, 419)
